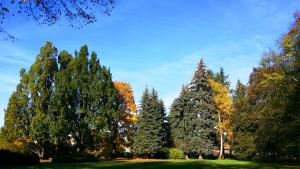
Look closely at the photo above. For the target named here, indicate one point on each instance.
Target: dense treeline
(69, 104)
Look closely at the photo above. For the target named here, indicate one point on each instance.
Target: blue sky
(158, 43)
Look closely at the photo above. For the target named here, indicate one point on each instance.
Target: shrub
(174, 153)
(15, 153)
(8, 157)
(12, 146)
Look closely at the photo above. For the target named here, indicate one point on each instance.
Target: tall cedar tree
(41, 75)
(81, 75)
(150, 137)
(63, 103)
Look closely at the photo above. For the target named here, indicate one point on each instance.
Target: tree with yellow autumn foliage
(223, 103)
(128, 115)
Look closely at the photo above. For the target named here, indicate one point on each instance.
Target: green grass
(162, 164)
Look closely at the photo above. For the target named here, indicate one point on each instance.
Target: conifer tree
(110, 109)
(193, 114)
(81, 77)
(63, 117)
(201, 116)
(222, 78)
(150, 138)
(18, 113)
(178, 120)
(242, 142)
(41, 75)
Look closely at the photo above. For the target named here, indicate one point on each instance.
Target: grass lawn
(161, 164)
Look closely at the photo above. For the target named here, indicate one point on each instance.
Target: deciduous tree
(128, 115)
(223, 103)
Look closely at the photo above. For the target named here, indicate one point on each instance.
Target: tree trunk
(186, 156)
(221, 154)
(200, 157)
(41, 153)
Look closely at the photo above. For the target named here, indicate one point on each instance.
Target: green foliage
(174, 153)
(64, 104)
(192, 115)
(221, 77)
(150, 137)
(18, 113)
(243, 146)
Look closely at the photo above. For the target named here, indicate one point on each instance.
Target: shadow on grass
(161, 164)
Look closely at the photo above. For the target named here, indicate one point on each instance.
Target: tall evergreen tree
(150, 138)
(193, 114)
(63, 117)
(95, 115)
(178, 121)
(41, 83)
(18, 113)
(243, 140)
(201, 115)
(81, 77)
(110, 109)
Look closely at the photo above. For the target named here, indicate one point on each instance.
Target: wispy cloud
(12, 60)
(15, 55)
(8, 83)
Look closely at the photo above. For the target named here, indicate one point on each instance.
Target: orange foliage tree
(128, 116)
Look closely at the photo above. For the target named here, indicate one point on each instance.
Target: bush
(8, 157)
(74, 158)
(174, 153)
(12, 146)
(16, 153)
